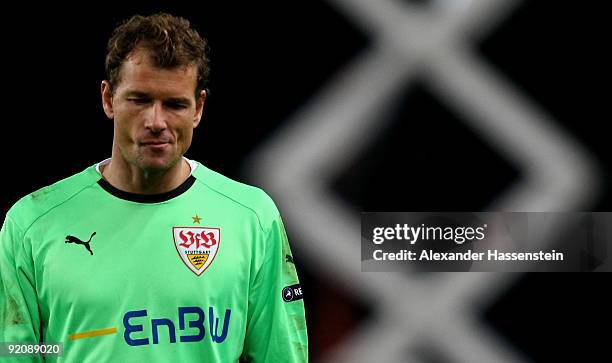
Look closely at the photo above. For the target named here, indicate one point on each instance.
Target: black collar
(147, 198)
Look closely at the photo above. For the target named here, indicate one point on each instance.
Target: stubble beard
(151, 165)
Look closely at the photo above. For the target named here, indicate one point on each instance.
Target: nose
(155, 118)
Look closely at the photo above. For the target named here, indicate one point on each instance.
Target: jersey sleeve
(19, 314)
(276, 326)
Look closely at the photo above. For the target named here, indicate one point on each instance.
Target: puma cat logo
(289, 259)
(73, 239)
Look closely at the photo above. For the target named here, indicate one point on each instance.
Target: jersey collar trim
(147, 198)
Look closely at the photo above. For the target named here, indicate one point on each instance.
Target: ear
(199, 108)
(107, 99)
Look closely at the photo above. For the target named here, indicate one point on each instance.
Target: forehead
(138, 73)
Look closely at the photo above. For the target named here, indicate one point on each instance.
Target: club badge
(197, 246)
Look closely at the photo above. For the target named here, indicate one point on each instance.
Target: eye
(176, 105)
(138, 100)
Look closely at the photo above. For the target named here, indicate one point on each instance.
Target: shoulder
(36, 204)
(243, 195)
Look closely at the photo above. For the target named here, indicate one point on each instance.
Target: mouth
(155, 145)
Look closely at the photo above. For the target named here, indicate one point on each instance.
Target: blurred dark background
(269, 59)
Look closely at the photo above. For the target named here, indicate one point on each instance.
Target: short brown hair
(171, 41)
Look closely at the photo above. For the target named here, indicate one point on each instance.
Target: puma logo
(289, 259)
(73, 239)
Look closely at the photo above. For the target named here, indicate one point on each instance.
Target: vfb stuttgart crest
(197, 246)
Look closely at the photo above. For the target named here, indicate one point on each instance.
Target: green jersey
(203, 273)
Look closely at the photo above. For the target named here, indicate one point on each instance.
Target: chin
(157, 164)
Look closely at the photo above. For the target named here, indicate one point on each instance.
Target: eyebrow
(146, 95)
(136, 94)
(179, 100)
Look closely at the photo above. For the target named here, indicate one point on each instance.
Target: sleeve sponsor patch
(292, 293)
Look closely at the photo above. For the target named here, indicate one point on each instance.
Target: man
(149, 256)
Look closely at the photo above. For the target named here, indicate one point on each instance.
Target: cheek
(185, 136)
(125, 130)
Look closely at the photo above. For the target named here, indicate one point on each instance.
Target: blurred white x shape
(299, 162)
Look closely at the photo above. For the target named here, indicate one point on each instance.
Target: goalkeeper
(149, 256)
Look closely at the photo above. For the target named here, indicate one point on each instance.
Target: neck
(129, 178)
